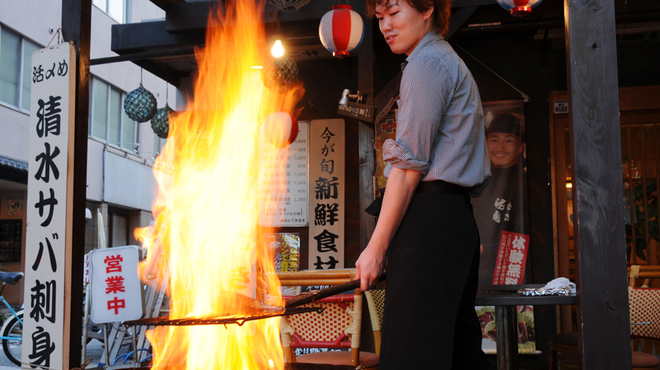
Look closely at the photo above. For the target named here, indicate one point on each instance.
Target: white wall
(32, 19)
(14, 134)
(126, 181)
(38, 21)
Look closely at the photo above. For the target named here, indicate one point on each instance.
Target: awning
(13, 170)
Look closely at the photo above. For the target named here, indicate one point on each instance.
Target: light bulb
(278, 49)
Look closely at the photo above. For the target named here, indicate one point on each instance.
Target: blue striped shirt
(440, 126)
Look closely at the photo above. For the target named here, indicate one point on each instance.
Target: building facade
(121, 152)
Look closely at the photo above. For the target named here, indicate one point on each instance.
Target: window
(114, 8)
(108, 121)
(16, 65)
(158, 144)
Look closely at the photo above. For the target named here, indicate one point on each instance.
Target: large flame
(207, 207)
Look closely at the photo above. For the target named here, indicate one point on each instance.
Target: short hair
(441, 10)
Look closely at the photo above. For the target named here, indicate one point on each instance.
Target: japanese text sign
(283, 194)
(115, 285)
(511, 258)
(48, 240)
(327, 183)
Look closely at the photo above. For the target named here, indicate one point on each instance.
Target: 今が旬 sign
(327, 183)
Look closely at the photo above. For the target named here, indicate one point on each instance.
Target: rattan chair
(338, 327)
(376, 304)
(644, 304)
(644, 273)
(561, 342)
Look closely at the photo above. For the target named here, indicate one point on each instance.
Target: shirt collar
(431, 36)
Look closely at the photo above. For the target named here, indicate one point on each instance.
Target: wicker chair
(338, 327)
(376, 304)
(561, 342)
(644, 273)
(644, 306)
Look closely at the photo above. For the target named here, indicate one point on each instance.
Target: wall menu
(11, 232)
(283, 194)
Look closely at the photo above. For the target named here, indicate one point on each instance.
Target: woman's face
(402, 25)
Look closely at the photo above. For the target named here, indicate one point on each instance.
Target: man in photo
(503, 205)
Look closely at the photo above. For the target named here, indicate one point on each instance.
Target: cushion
(367, 359)
(296, 366)
(639, 359)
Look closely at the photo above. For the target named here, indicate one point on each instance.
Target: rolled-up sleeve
(421, 106)
(400, 157)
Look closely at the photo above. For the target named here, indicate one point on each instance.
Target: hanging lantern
(519, 8)
(280, 74)
(140, 104)
(161, 121)
(289, 6)
(341, 30)
(280, 129)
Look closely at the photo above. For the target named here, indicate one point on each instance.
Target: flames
(206, 207)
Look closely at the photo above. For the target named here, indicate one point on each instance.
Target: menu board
(283, 181)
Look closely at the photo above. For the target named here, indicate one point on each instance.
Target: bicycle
(12, 328)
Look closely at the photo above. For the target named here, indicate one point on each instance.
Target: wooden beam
(458, 20)
(470, 3)
(76, 27)
(595, 138)
(367, 155)
(139, 37)
(183, 17)
(165, 4)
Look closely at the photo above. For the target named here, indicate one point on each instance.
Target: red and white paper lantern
(280, 129)
(341, 30)
(519, 8)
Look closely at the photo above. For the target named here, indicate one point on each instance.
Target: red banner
(511, 258)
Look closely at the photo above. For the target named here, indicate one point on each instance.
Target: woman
(439, 158)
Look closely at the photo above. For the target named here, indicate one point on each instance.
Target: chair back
(333, 328)
(376, 304)
(644, 273)
(644, 306)
(337, 327)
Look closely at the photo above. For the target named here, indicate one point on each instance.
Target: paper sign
(115, 285)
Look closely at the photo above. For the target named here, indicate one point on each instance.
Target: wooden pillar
(76, 26)
(367, 160)
(595, 138)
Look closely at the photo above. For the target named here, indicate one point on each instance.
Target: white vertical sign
(283, 194)
(327, 184)
(52, 108)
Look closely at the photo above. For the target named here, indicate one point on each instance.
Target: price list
(283, 181)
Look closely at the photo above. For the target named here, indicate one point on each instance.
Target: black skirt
(432, 276)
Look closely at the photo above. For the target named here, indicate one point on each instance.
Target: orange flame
(207, 207)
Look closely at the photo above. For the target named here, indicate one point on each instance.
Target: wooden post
(595, 137)
(366, 134)
(76, 27)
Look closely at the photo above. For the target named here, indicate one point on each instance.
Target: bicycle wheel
(13, 328)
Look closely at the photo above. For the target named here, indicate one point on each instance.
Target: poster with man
(501, 210)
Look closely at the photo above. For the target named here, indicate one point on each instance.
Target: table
(506, 298)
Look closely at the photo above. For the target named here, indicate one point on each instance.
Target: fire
(206, 208)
